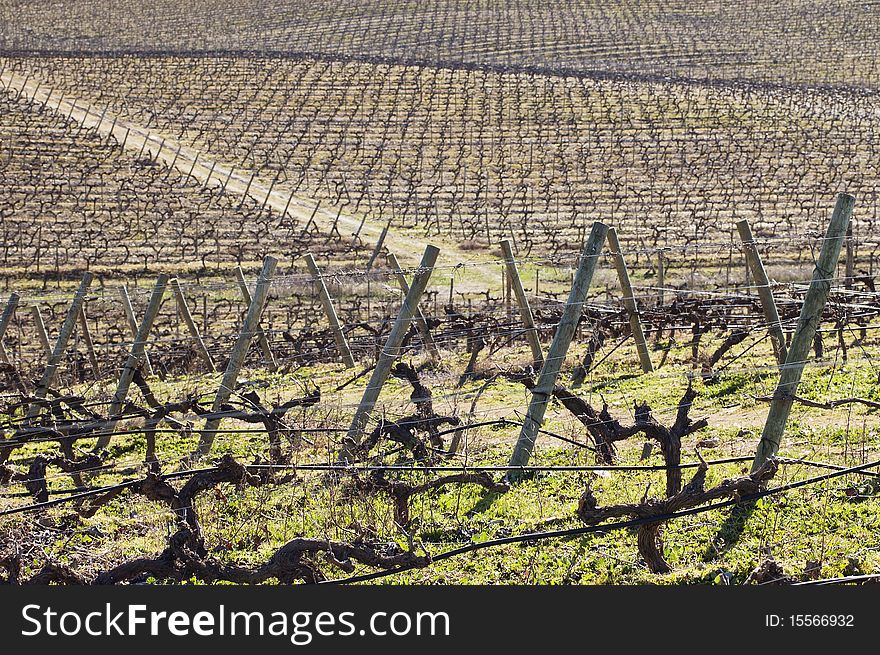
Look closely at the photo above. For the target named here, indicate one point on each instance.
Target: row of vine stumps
(271, 503)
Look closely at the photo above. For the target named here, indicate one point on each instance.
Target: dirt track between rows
(211, 171)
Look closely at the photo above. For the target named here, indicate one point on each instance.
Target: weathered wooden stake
(191, 325)
(262, 340)
(661, 277)
(420, 321)
(5, 320)
(808, 322)
(509, 296)
(765, 293)
(629, 302)
(61, 343)
(850, 259)
(136, 357)
(239, 351)
(748, 281)
(41, 330)
(133, 325)
(330, 312)
(522, 300)
(90, 346)
(542, 391)
(389, 353)
(378, 247)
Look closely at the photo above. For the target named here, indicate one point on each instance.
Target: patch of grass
(820, 523)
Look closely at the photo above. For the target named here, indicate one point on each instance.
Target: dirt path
(481, 274)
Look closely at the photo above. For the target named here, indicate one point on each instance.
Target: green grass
(820, 523)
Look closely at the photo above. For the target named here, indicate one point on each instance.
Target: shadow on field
(730, 531)
(485, 502)
(609, 383)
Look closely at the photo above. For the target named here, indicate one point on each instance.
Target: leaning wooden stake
(525, 310)
(90, 346)
(571, 316)
(808, 323)
(61, 343)
(420, 321)
(133, 325)
(137, 357)
(262, 340)
(378, 247)
(191, 325)
(389, 353)
(330, 312)
(41, 330)
(765, 293)
(629, 302)
(239, 351)
(5, 320)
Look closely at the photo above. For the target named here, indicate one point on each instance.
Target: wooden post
(191, 325)
(629, 302)
(41, 329)
(661, 277)
(133, 326)
(420, 321)
(509, 292)
(239, 351)
(378, 247)
(765, 293)
(61, 343)
(136, 357)
(808, 322)
(748, 280)
(542, 391)
(90, 346)
(262, 340)
(850, 259)
(390, 352)
(5, 320)
(525, 310)
(330, 312)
